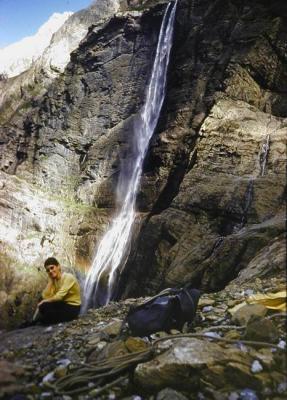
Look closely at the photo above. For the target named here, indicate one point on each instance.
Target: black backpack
(170, 309)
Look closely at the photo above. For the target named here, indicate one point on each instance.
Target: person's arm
(68, 283)
(48, 291)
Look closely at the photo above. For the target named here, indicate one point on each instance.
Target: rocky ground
(220, 356)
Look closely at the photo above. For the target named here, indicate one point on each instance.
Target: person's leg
(48, 312)
(58, 311)
(70, 312)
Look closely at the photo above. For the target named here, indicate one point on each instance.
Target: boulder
(261, 330)
(248, 313)
(181, 360)
(170, 394)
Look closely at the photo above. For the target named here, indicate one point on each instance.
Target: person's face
(54, 271)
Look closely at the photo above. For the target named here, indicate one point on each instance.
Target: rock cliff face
(214, 179)
(60, 154)
(51, 60)
(211, 202)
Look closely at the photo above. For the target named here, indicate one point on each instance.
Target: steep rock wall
(60, 156)
(214, 178)
(18, 94)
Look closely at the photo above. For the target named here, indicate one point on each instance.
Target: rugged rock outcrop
(214, 178)
(211, 202)
(18, 93)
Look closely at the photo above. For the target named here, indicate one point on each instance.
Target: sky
(21, 18)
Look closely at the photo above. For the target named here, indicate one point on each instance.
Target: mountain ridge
(19, 56)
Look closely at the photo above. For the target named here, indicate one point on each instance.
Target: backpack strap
(190, 298)
(165, 292)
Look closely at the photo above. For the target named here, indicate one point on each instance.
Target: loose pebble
(248, 394)
(212, 334)
(233, 396)
(49, 377)
(256, 367)
(207, 309)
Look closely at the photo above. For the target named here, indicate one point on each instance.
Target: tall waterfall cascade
(113, 249)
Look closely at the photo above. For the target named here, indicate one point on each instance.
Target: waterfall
(247, 200)
(113, 249)
(264, 154)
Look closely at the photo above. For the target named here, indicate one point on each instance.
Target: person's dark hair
(51, 261)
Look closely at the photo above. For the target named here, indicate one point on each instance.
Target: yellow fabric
(274, 301)
(65, 289)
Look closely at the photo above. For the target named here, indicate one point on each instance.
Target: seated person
(61, 297)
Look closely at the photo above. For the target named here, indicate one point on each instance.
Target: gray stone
(207, 309)
(60, 371)
(256, 367)
(113, 328)
(249, 312)
(50, 377)
(282, 344)
(185, 358)
(170, 394)
(261, 330)
(46, 395)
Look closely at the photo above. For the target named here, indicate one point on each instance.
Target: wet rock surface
(213, 358)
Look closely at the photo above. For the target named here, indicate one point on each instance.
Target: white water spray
(264, 154)
(113, 249)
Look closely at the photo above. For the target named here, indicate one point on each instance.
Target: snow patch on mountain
(19, 56)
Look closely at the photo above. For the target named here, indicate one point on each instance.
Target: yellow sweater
(65, 289)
